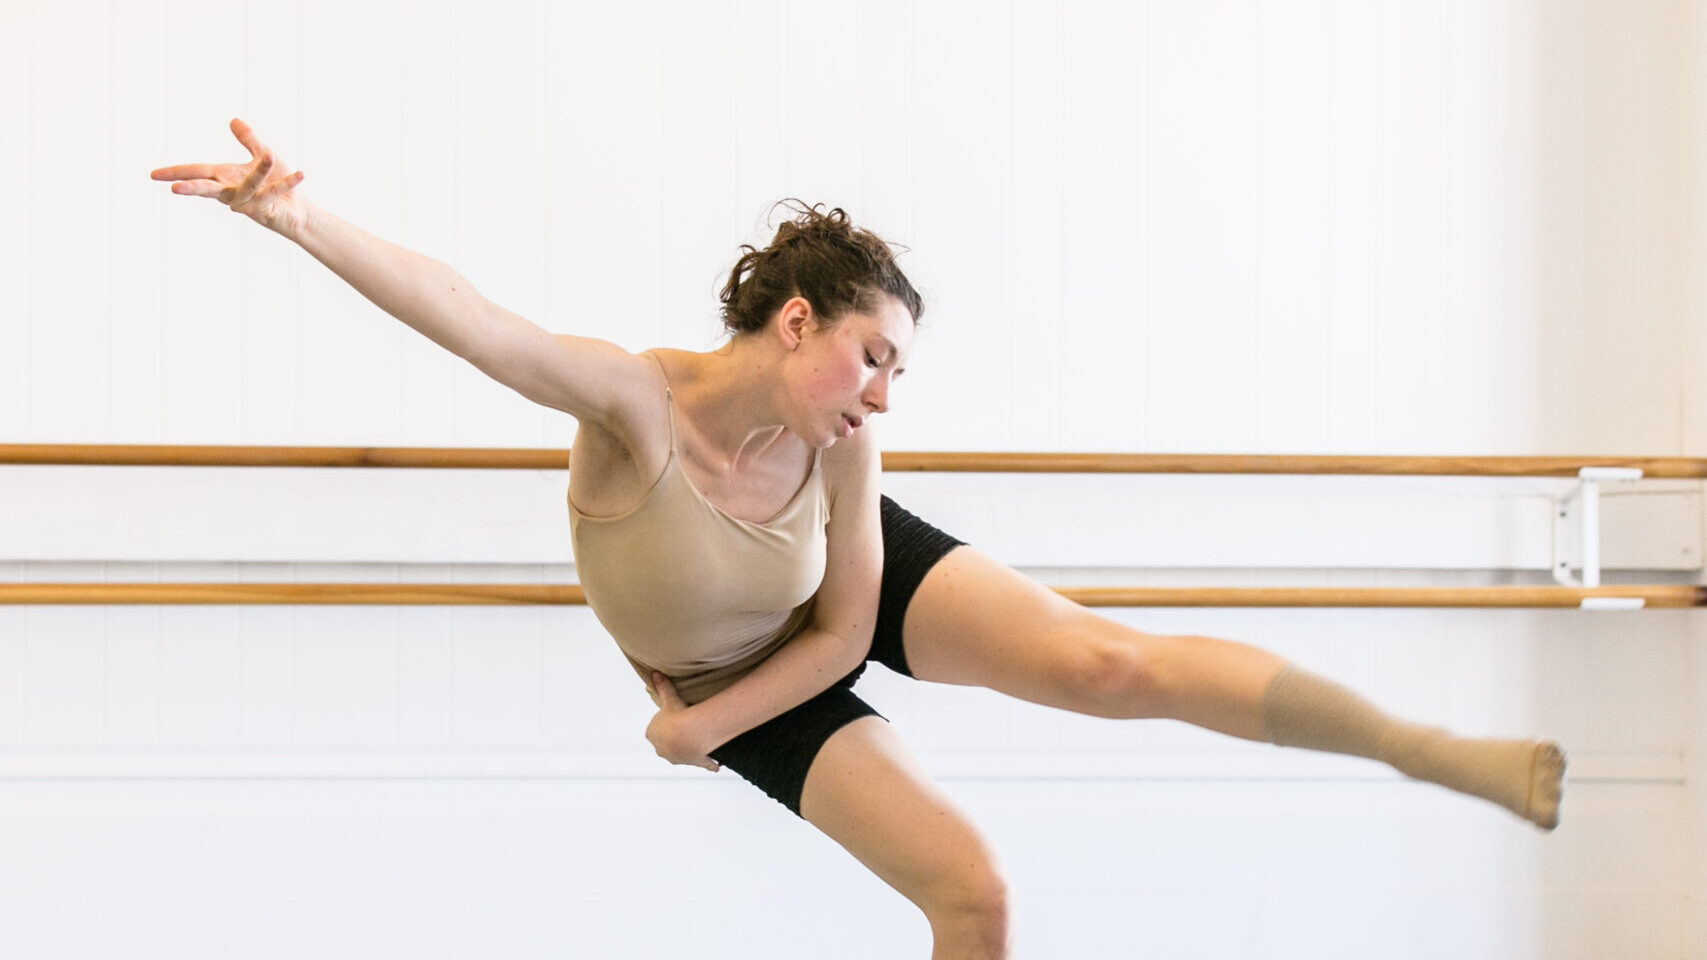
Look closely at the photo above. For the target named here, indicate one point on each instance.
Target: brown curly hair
(823, 257)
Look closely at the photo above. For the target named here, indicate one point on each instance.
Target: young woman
(730, 534)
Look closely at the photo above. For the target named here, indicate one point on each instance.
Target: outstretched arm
(579, 375)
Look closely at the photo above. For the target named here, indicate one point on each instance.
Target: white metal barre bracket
(1583, 499)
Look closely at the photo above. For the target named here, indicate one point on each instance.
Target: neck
(733, 398)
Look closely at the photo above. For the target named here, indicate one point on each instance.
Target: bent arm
(844, 615)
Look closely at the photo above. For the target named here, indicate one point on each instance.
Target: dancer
(730, 534)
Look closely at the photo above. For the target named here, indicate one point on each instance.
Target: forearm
(416, 289)
(800, 670)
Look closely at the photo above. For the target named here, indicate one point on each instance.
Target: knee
(1116, 672)
(972, 914)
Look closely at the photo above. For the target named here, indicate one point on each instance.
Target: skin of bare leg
(976, 622)
(867, 792)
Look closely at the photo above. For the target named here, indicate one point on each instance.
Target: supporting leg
(866, 792)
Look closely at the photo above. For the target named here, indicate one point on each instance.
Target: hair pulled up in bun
(821, 256)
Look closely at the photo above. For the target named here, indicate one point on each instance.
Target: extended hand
(671, 733)
(263, 189)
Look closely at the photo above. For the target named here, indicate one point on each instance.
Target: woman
(729, 531)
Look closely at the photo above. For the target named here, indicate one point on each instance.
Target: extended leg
(974, 621)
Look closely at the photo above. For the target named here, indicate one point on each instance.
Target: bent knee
(972, 912)
(1114, 672)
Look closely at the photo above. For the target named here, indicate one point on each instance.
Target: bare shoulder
(603, 382)
(624, 439)
(590, 379)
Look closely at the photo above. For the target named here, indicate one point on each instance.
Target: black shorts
(775, 755)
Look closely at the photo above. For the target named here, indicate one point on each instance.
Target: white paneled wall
(1692, 333)
(1275, 226)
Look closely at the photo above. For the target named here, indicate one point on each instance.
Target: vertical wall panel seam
(400, 418)
(1682, 212)
(452, 645)
(29, 318)
(1326, 275)
(456, 142)
(295, 643)
(398, 652)
(1013, 190)
(106, 661)
(663, 245)
(1371, 443)
(107, 278)
(544, 159)
(1141, 173)
(159, 669)
(244, 321)
(292, 648)
(864, 130)
(1249, 322)
(540, 727)
(735, 118)
(106, 409)
(788, 97)
(542, 414)
(295, 362)
(1060, 155)
(160, 226)
(29, 206)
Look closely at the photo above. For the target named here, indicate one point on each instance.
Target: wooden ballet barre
(1649, 596)
(486, 594)
(517, 458)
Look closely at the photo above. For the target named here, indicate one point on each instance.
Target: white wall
(1693, 320)
(1291, 227)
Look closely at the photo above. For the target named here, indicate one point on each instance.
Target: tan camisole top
(694, 593)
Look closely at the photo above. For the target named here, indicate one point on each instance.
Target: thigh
(975, 621)
(868, 793)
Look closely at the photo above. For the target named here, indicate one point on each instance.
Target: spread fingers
(245, 191)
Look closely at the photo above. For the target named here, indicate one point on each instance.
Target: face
(842, 375)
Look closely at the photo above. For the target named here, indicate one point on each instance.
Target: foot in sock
(1301, 709)
(1524, 776)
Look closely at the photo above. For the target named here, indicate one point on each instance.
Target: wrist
(704, 726)
(298, 229)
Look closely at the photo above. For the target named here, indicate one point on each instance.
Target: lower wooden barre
(480, 594)
(291, 594)
(1667, 595)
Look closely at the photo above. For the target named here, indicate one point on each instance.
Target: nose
(877, 394)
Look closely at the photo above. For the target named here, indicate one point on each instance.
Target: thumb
(666, 691)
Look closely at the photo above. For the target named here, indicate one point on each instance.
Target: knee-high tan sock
(1301, 709)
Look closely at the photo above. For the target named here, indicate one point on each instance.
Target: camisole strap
(669, 396)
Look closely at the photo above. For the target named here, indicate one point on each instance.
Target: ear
(795, 321)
